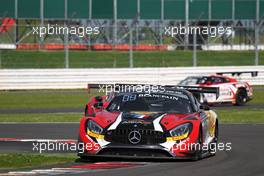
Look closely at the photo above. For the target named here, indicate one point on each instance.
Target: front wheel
(213, 145)
(199, 152)
(241, 97)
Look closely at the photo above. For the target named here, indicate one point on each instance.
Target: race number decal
(132, 97)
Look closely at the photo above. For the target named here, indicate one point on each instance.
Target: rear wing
(199, 90)
(239, 73)
(193, 89)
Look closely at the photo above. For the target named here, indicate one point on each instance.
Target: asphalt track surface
(80, 110)
(245, 159)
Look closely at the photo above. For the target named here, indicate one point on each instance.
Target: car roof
(210, 76)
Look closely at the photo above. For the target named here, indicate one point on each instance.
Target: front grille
(148, 136)
(135, 152)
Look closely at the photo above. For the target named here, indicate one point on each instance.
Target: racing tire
(241, 97)
(89, 159)
(199, 153)
(84, 158)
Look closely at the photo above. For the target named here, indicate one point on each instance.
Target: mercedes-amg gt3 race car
(231, 90)
(163, 123)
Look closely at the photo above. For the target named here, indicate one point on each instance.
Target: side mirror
(98, 105)
(205, 107)
(99, 98)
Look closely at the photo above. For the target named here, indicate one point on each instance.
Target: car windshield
(194, 80)
(151, 102)
(203, 80)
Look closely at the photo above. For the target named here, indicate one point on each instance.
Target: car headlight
(94, 127)
(181, 132)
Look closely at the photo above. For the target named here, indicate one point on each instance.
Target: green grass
(258, 97)
(241, 116)
(41, 117)
(10, 161)
(44, 99)
(109, 59)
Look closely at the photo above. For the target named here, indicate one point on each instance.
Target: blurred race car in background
(231, 90)
(149, 123)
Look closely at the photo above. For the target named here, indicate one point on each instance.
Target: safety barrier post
(257, 34)
(66, 35)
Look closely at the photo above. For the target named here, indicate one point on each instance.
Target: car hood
(139, 119)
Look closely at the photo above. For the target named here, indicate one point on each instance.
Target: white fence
(15, 79)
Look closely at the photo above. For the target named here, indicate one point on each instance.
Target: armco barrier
(12, 79)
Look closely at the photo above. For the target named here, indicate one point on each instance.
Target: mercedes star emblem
(134, 137)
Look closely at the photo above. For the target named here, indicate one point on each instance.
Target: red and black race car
(231, 90)
(166, 122)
